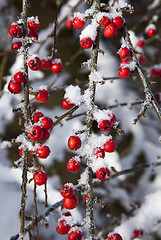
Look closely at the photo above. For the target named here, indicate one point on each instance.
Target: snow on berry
(90, 31)
(100, 115)
(73, 93)
(150, 29)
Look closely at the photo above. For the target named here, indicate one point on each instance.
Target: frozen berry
(86, 42)
(42, 96)
(104, 125)
(35, 132)
(99, 153)
(110, 30)
(40, 178)
(103, 173)
(141, 43)
(67, 191)
(123, 72)
(104, 21)
(16, 45)
(151, 32)
(33, 35)
(34, 63)
(142, 58)
(74, 143)
(46, 63)
(118, 21)
(46, 122)
(138, 233)
(14, 87)
(43, 151)
(113, 118)
(21, 151)
(125, 53)
(75, 234)
(20, 77)
(66, 103)
(37, 115)
(69, 24)
(33, 23)
(15, 30)
(56, 67)
(114, 236)
(63, 226)
(45, 135)
(78, 23)
(73, 165)
(109, 146)
(70, 203)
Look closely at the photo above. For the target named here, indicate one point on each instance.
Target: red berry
(15, 30)
(34, 63)
(86, 42)
(78, 23)
(66, 213)
(35, 132)
(110, 30)
(66, 103)
(114, 236)
(138, 233)
(109, 146)
(43, 151)
(56, 67)
(151, 32)
(20, 77)
(118, 22)
(46, 63)
(40, 178)
(70, 203)
(85, 197)
(142, 58)
(46, 122)
(42, 96)
(141, 43)
(16, 45)
(21, 151)
(123, 72)
(45, 135)
(154, 72)
(103, 173)
(113, 118)
(104, 21)
(14, 87)
(37, 115)
(74, 143)
(125, 53)
(33, 23)
(67, 191)
(33, 35)
(104, 125)
(126, 60)
(63, 227)
(99, 153)
(75, 234)
(73, 165)
(157, 96)
(69, 24)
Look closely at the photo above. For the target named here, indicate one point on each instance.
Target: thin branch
(36, 212)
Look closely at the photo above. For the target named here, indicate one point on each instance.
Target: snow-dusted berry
(78, 23)
(20, 77)
(16, 45)
(14, 87)
(103, 173)
(67, 191)
(123, 72)
(37, 115)
(73, 165)
(46, 122)
(33, 35)
(56, 67)
(114, 236)
(35, 132)
(125, 53)
(118, 21)
(45, 135)
(151, 32)
(138, 233)
(104, 21)
(104, 125)
(15, 30)
(33, 23)
(70, 203)
(42, 96)
(141, 43)
(63, 226)
(75, 233)
(66, 103)
(34, 63)
(113, 118)
(74, 143)
(110, 30)
(109, 146)
(43, 151)
(46, 63)
(21, 151)
(99, 153)
(69, 24)
(86, 42)
(40, 178)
